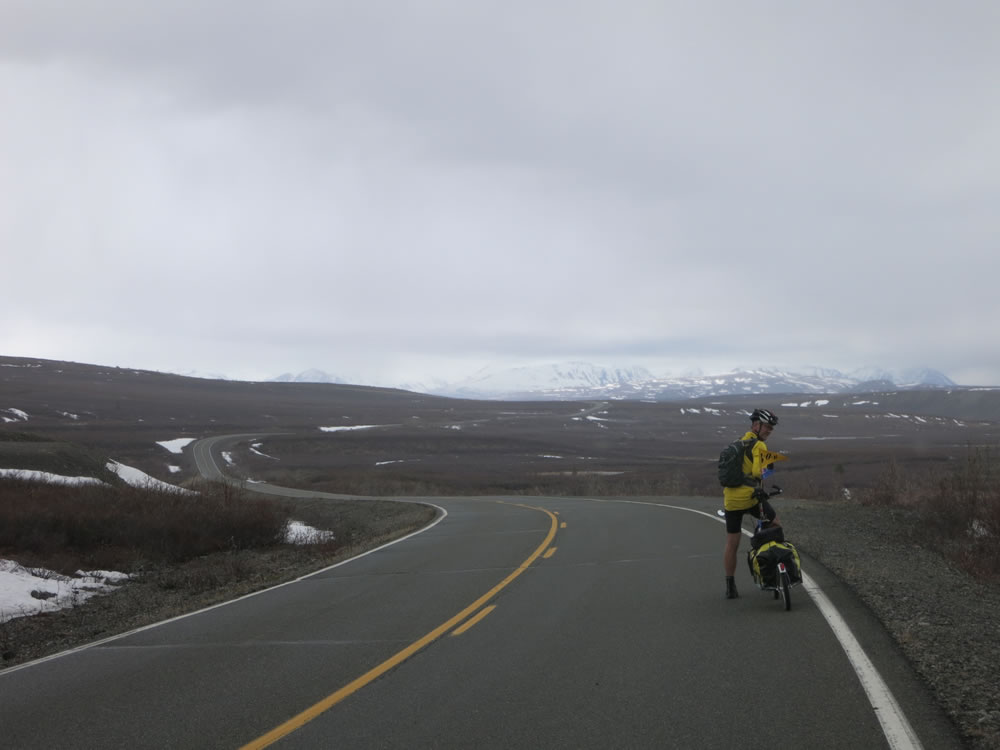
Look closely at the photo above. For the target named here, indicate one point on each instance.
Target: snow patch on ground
(48, 478)
(255, 448)
(30, 591)
(300, 533)
(127, 474)
(19, 416)
(175, 446)
(138, 478)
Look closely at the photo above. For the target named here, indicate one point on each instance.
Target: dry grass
(68, 528)
(958, 512)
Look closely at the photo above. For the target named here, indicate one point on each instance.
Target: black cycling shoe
(731, 592)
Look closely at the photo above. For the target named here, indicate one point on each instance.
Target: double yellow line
(297, 722)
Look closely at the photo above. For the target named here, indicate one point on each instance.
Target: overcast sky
(396, 191)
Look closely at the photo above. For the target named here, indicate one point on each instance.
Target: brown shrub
(125, 528)
(965, 513)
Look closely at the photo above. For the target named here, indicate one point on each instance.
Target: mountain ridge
(584, 380)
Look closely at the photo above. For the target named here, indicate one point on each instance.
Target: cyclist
(749, 498)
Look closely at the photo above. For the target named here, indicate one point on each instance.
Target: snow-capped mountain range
(308, 376)
(583, 380)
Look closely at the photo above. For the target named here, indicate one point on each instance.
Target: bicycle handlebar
(767, 494)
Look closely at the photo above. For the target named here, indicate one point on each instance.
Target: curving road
(508, 623)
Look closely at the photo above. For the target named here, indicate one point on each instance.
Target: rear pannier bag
(764, 562)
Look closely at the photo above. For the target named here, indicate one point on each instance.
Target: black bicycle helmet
(765, 416)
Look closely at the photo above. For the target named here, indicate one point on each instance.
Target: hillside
(415, 443)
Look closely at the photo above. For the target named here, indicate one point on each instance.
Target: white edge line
(16, 668)
(895, 726)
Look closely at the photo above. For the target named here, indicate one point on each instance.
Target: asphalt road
(509, 623)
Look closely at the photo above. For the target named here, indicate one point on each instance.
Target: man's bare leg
(729, 563)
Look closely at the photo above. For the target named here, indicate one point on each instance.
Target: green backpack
(731, 464)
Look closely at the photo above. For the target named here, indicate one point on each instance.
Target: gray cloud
(397, 189)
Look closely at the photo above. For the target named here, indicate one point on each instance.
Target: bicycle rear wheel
(786, 590)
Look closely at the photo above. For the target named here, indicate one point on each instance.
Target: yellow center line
(297, 722)
(473, 620)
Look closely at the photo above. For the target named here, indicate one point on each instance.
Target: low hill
(34, 453)
(366, 440)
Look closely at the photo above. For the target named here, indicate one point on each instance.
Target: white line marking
(895, 726)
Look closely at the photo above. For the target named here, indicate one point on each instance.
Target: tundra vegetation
(956, 513)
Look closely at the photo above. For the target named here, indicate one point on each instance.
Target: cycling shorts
(734, 518)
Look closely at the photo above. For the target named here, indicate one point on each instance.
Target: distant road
(508, 623)
(203, 451)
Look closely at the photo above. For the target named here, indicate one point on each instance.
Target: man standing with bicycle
(749, 497)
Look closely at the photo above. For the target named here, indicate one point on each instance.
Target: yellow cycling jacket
(741, 498)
